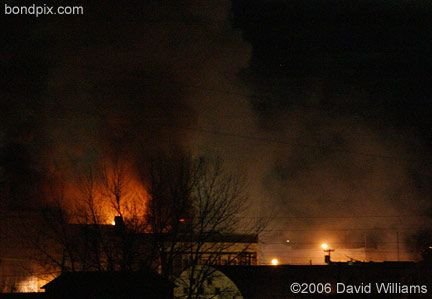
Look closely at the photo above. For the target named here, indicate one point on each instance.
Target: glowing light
(275, 262)
(32, 284)
(325, 246)
(113, 222)
(134, 195)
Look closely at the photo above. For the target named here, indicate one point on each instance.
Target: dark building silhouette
(109, 285)
(256, 282)
(22, 296)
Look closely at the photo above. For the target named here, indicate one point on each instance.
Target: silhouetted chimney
(118, 222)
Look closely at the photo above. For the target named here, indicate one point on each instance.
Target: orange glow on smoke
(133, 202)
(82, 196)
(33, 283)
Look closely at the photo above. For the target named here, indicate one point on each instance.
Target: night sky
(326, 105)
(368, 59)
(349, 82)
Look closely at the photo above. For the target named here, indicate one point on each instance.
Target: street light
(275, 262)
(326, 248)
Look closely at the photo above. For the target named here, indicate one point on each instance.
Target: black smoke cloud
(344, 89)
(144, 77)
(133, 78)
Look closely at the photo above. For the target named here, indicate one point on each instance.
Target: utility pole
(397, 242)
(365, 246)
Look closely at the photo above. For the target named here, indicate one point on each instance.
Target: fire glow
(112, 194)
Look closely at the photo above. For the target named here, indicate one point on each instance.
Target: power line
(36, 212)
(337, 217)
(243, 136)
(289, 233)
(296, 144)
